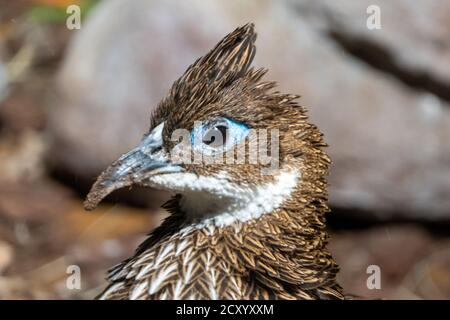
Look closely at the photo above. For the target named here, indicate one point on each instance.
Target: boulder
(378, 95)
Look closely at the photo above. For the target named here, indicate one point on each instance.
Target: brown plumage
(210, 247)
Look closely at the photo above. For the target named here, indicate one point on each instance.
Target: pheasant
(237, 229)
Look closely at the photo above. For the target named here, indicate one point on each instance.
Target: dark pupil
(215, 137)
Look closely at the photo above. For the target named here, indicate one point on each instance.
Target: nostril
(157, 149)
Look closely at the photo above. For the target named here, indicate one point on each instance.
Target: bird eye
(218, 135)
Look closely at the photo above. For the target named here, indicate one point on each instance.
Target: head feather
(226, 62)
(203, 82)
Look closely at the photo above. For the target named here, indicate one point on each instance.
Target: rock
(388, 139)
(385, 111)
(420, 28)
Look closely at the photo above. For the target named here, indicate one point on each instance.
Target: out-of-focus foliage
(55, 10)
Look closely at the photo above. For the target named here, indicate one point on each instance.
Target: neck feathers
(279, 255)
(236, 204)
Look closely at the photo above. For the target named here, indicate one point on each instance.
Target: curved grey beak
(132, 168)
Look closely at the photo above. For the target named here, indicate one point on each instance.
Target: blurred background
(72, 101)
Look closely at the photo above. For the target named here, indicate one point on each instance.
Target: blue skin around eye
(237, 132)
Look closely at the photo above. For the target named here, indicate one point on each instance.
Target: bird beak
(132, 168)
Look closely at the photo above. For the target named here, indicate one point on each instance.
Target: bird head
(224, 140)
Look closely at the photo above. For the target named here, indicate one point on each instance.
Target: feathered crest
(204, 80)
(227, 61)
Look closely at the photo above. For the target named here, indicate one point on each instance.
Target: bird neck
(236, 205)
(292, 206)
(285, 245)
(283, 251)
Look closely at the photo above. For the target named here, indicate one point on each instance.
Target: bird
(236, 229)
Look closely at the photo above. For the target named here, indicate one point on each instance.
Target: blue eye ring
(202, 133)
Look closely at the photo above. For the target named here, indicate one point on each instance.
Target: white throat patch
(215, 201)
